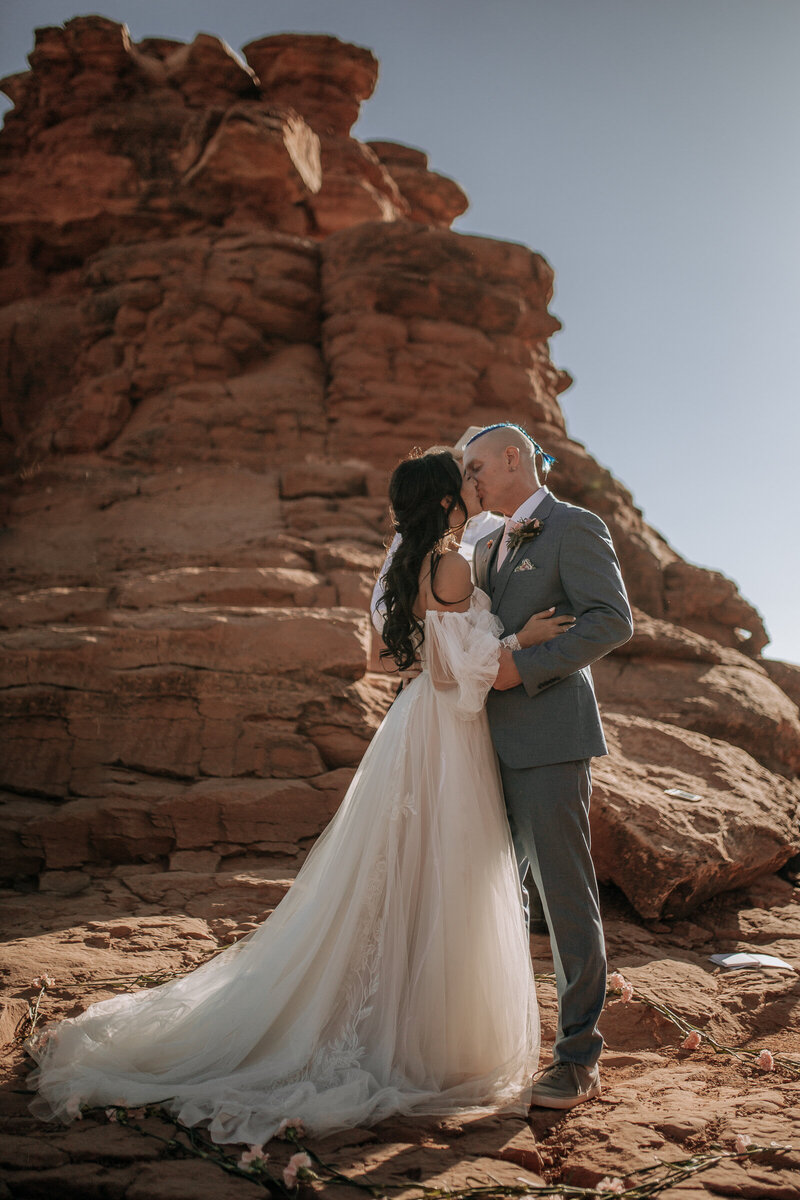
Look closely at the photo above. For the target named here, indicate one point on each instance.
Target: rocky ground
(659, 1101)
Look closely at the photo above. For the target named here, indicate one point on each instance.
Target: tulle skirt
(394, 977)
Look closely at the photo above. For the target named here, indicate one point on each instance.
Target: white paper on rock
(744, 959)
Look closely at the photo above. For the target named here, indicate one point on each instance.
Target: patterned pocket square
(525, 565)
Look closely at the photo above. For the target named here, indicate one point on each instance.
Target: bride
(395, 976)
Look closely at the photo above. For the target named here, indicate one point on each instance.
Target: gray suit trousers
(548, 811)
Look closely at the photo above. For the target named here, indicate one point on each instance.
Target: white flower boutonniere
(523, 531)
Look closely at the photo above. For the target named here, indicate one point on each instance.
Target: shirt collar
(529, 506)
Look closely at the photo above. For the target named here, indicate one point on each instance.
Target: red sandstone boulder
(409, 307)
(355, 188)
(669, 853)
(709, 603)
(185, 691)
(432, 199)
(323, 78)
(786, 676)
(322, 479)
(236, 587)
(76, 522)
(736, 702)
(140, 821)
(206, 71)
(268, 157)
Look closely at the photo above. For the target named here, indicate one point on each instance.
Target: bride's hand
(543, 627)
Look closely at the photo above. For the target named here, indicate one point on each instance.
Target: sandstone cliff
(223, 320)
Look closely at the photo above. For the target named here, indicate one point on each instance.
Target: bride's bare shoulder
(451, 583)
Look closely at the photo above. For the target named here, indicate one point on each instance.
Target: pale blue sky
(649, 149)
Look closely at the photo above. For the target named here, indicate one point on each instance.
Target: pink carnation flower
(298, 1164)
(765, 1061)
(611, 1185)
(692, 1042)
(297, 1127)
(742, 1142)
(627, 993)
(43, 981)
(617, 980)
(253, 1154)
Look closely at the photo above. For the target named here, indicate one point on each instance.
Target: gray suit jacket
(552, 716)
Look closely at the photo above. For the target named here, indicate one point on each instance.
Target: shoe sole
(567, 1101)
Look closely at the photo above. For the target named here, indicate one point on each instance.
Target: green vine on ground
(752, 1057)
(662, 1174)
(253, 1166)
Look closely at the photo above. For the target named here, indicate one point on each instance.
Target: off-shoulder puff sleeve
(462, 651)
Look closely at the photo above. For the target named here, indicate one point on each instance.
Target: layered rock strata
(223, 320)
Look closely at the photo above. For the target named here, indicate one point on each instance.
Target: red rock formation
(222, 319)
(432, 199)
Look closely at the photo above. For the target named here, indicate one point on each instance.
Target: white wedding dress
(394, 977)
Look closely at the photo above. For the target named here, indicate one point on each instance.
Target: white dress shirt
(525, 510)
(477, 527)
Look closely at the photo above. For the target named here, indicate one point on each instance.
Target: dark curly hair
(416, 490)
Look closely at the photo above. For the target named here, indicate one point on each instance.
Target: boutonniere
(523, 531)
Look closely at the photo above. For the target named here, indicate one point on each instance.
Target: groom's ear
(511, 456)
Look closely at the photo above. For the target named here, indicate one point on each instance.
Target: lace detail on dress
(404, 806)
(403, 803)
(345, 1051)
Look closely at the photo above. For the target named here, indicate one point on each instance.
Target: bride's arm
(541, 627)
(454, 587)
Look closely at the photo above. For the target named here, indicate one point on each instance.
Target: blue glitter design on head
(548, 459)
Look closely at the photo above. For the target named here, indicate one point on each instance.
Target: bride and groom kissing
(396, 976)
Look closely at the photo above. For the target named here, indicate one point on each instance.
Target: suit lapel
(504, 574)
(542, 511)
(491, 565)
(485, 554)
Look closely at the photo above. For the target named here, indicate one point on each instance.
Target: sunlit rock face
(223, 321)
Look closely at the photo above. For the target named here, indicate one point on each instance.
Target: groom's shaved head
(495, 441)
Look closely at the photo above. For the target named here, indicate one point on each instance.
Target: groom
(545, 722)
